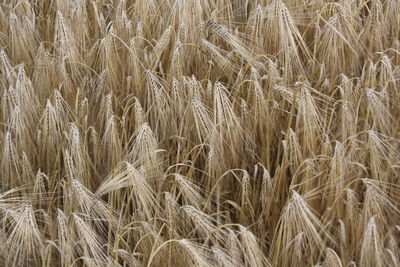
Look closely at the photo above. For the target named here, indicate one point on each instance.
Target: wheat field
(200, 133)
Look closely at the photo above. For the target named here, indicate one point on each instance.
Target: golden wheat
(199, 133)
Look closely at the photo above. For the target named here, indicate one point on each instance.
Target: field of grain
(200, 133)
